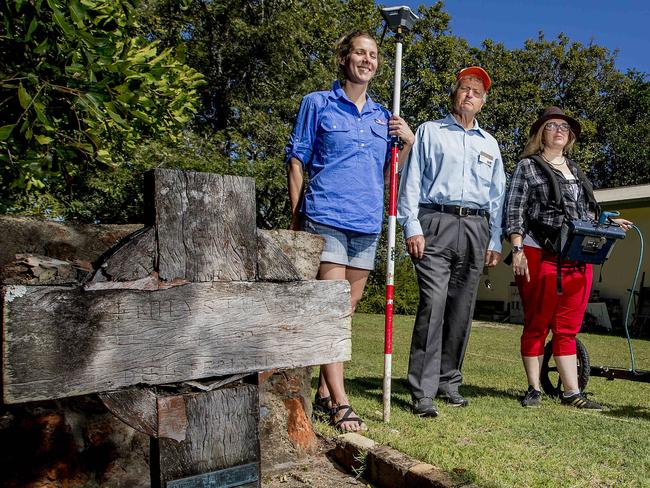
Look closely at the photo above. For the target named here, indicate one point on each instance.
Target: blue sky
(614, 24)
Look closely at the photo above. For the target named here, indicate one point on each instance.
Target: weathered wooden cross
(198, 293)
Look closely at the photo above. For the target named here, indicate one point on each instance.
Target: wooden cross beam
(178, 301)
(61, 341)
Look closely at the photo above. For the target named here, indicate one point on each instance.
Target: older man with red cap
(450, 204)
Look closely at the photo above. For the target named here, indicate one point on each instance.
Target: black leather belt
(456, 210)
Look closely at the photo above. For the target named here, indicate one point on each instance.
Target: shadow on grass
(371, 388)
(630, 412)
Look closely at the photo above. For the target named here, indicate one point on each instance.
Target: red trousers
(545, 310)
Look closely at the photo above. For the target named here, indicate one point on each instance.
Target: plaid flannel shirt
(529, 199)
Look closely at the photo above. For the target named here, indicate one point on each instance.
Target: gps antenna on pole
(399, 20)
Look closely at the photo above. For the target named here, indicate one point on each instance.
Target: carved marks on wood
(61, 341)
(205, 226)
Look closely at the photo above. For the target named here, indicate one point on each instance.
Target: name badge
(486, 158)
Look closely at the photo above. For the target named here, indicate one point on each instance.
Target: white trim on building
(626, 194)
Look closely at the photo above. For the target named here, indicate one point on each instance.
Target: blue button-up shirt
(345, 153)
(450, 165)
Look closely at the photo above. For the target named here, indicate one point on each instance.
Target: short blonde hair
(535, 144)
(344, 45)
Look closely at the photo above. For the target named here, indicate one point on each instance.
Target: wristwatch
(517, 249)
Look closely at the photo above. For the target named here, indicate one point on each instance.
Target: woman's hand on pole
(397, 126)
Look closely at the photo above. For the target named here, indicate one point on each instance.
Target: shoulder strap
(587, 186)
(556, 194)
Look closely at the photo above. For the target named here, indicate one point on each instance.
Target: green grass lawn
(495, 442)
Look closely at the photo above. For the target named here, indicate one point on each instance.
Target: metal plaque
(244, 476)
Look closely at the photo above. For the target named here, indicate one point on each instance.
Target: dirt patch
(317, 470)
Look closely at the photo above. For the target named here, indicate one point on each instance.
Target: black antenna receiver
(399, 19)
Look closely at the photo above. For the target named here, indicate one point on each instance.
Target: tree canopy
(94, 92)
(80, 90)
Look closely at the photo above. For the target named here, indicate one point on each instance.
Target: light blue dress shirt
(344, 152)
(452, 166)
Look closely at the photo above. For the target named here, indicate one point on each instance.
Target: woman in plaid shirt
(533, 220)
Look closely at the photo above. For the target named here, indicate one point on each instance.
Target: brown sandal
(348, 416)
(322, 407)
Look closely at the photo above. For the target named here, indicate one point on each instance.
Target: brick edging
(386, 467)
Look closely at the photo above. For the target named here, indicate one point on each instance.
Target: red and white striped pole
(399, 20)
(392, 225)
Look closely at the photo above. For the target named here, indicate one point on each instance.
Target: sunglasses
(563, 127)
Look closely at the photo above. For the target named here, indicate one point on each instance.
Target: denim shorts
(345, 247)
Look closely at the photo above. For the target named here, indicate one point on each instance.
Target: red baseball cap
(477, 71)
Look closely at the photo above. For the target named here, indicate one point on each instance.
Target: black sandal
(322, 407)
(348, 416)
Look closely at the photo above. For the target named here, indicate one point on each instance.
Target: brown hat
(477, 71)
(556, 113)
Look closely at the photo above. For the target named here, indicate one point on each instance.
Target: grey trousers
(448, 276)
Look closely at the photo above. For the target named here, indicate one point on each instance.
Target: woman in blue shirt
(342, 139)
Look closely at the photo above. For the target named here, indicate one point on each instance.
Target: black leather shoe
(455, 399)
(424, 407)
